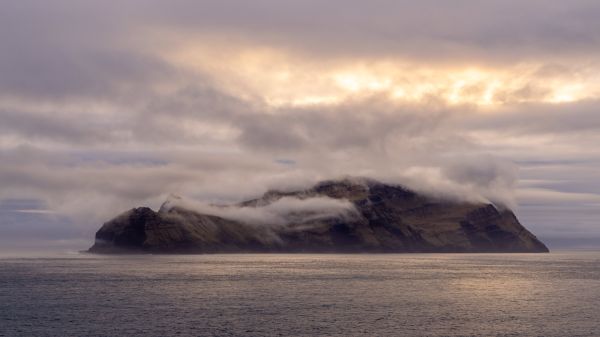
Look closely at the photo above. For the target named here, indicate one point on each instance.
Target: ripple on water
(302, 295)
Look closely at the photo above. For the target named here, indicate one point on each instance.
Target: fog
(280, 212)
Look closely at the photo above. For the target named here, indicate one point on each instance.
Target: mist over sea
(554, 294)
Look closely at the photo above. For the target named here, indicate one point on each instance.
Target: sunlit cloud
(281, 79)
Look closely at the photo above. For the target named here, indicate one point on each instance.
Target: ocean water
(556, 294)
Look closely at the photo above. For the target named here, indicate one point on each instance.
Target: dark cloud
(577, 117)
(498, 31)
(67, 49)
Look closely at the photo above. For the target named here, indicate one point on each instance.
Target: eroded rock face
(385, 218)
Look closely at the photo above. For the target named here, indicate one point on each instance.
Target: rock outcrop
(382, 218)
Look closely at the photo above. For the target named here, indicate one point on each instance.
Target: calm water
(555, 294)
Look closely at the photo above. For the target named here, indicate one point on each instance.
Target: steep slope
(384, 218)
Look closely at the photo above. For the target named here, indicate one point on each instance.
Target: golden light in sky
(282, 79)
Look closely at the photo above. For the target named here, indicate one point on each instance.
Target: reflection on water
(304, 295)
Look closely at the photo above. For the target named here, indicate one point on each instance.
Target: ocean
(556, 294)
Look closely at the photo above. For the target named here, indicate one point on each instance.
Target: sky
(108, 105)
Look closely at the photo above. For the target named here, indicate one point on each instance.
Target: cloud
(277, 213)
(575, 118)
(104, 107)
(429, 30)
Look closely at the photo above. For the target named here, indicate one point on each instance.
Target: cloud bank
(280, 212)
(104, 107)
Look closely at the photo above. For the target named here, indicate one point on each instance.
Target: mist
(280, 212)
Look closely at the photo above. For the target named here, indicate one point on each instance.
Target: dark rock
(389, 219)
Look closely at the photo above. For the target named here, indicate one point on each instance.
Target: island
(337, 216)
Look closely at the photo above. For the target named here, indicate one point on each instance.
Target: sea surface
(556, 294)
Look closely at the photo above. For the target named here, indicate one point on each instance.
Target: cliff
(378, 218)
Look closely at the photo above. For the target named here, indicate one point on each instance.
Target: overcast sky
(107, 105)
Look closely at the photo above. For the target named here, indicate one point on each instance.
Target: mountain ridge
(335, 216)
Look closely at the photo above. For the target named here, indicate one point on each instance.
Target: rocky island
(341, 216)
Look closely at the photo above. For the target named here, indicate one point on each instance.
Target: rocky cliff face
(382, 218)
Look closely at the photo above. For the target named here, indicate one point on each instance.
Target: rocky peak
(389, 218)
